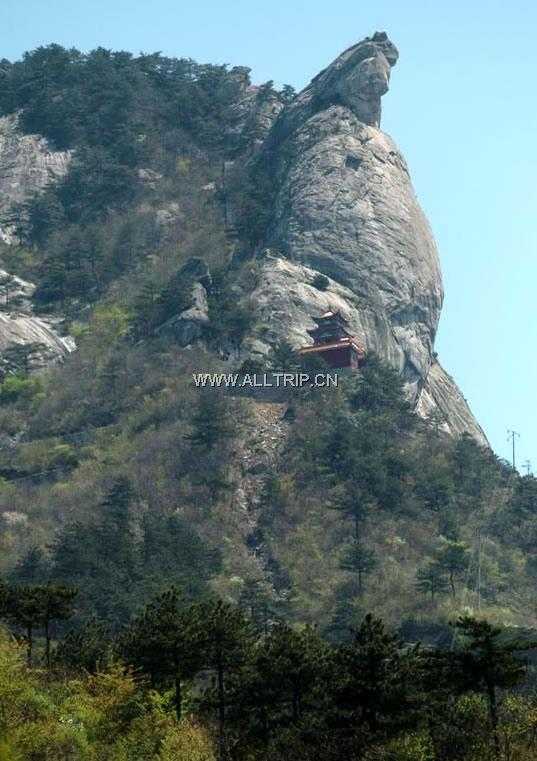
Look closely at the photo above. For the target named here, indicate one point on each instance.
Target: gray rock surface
(27, 165)
(188, 327)
(285, 303)
(254, 112)
(15, 293)
(345, 207)
(24, 329)
(18, 324)
(442, 399)
(357, 80)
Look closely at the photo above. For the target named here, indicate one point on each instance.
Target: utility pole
(527, 466)
(479, 568)
(513, 436)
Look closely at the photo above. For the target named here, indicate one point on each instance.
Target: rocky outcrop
(357, 80)
(19, 326)
(189, 325)
(440, 399)
(286, 301)
(24, 330)
(27, 165)
(345, 207)
(249, 120)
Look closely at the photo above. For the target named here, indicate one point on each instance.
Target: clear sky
(462, 107)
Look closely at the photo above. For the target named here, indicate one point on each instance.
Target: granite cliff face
(27, 165)
(20, 326)
(345, 207)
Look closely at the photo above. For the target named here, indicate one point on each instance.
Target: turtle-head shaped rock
(382, 41)
(357, 80)
(359, 77)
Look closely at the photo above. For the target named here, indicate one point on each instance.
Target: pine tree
(73, 554)
(378, 388)
(20, 359)
(23, 607)
(165, 643)
(486, 665)
(295, 663)
(453, 558)
(227, 637)
(8, 286)
(354, 502)
(57, 605)
(287, 93)
(211, 423)
(347, 611)
(102, 558)
(144, 307)
(87, 648)
(359, 560)
(376, 683)
(255, 601)
(33, 568)
(174, 553)
(431, 579)
(284, 684)
(38, 606)
(284, 358)
(115, 530)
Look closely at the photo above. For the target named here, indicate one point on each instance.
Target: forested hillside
(279, 524)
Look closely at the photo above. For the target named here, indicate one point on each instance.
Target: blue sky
(462, 108)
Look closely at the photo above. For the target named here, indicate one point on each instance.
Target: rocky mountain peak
(358, 78)
(339, 203)
(345, 208)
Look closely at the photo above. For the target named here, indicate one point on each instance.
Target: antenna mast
(513, 436)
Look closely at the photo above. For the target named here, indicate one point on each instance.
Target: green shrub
(17, 387)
